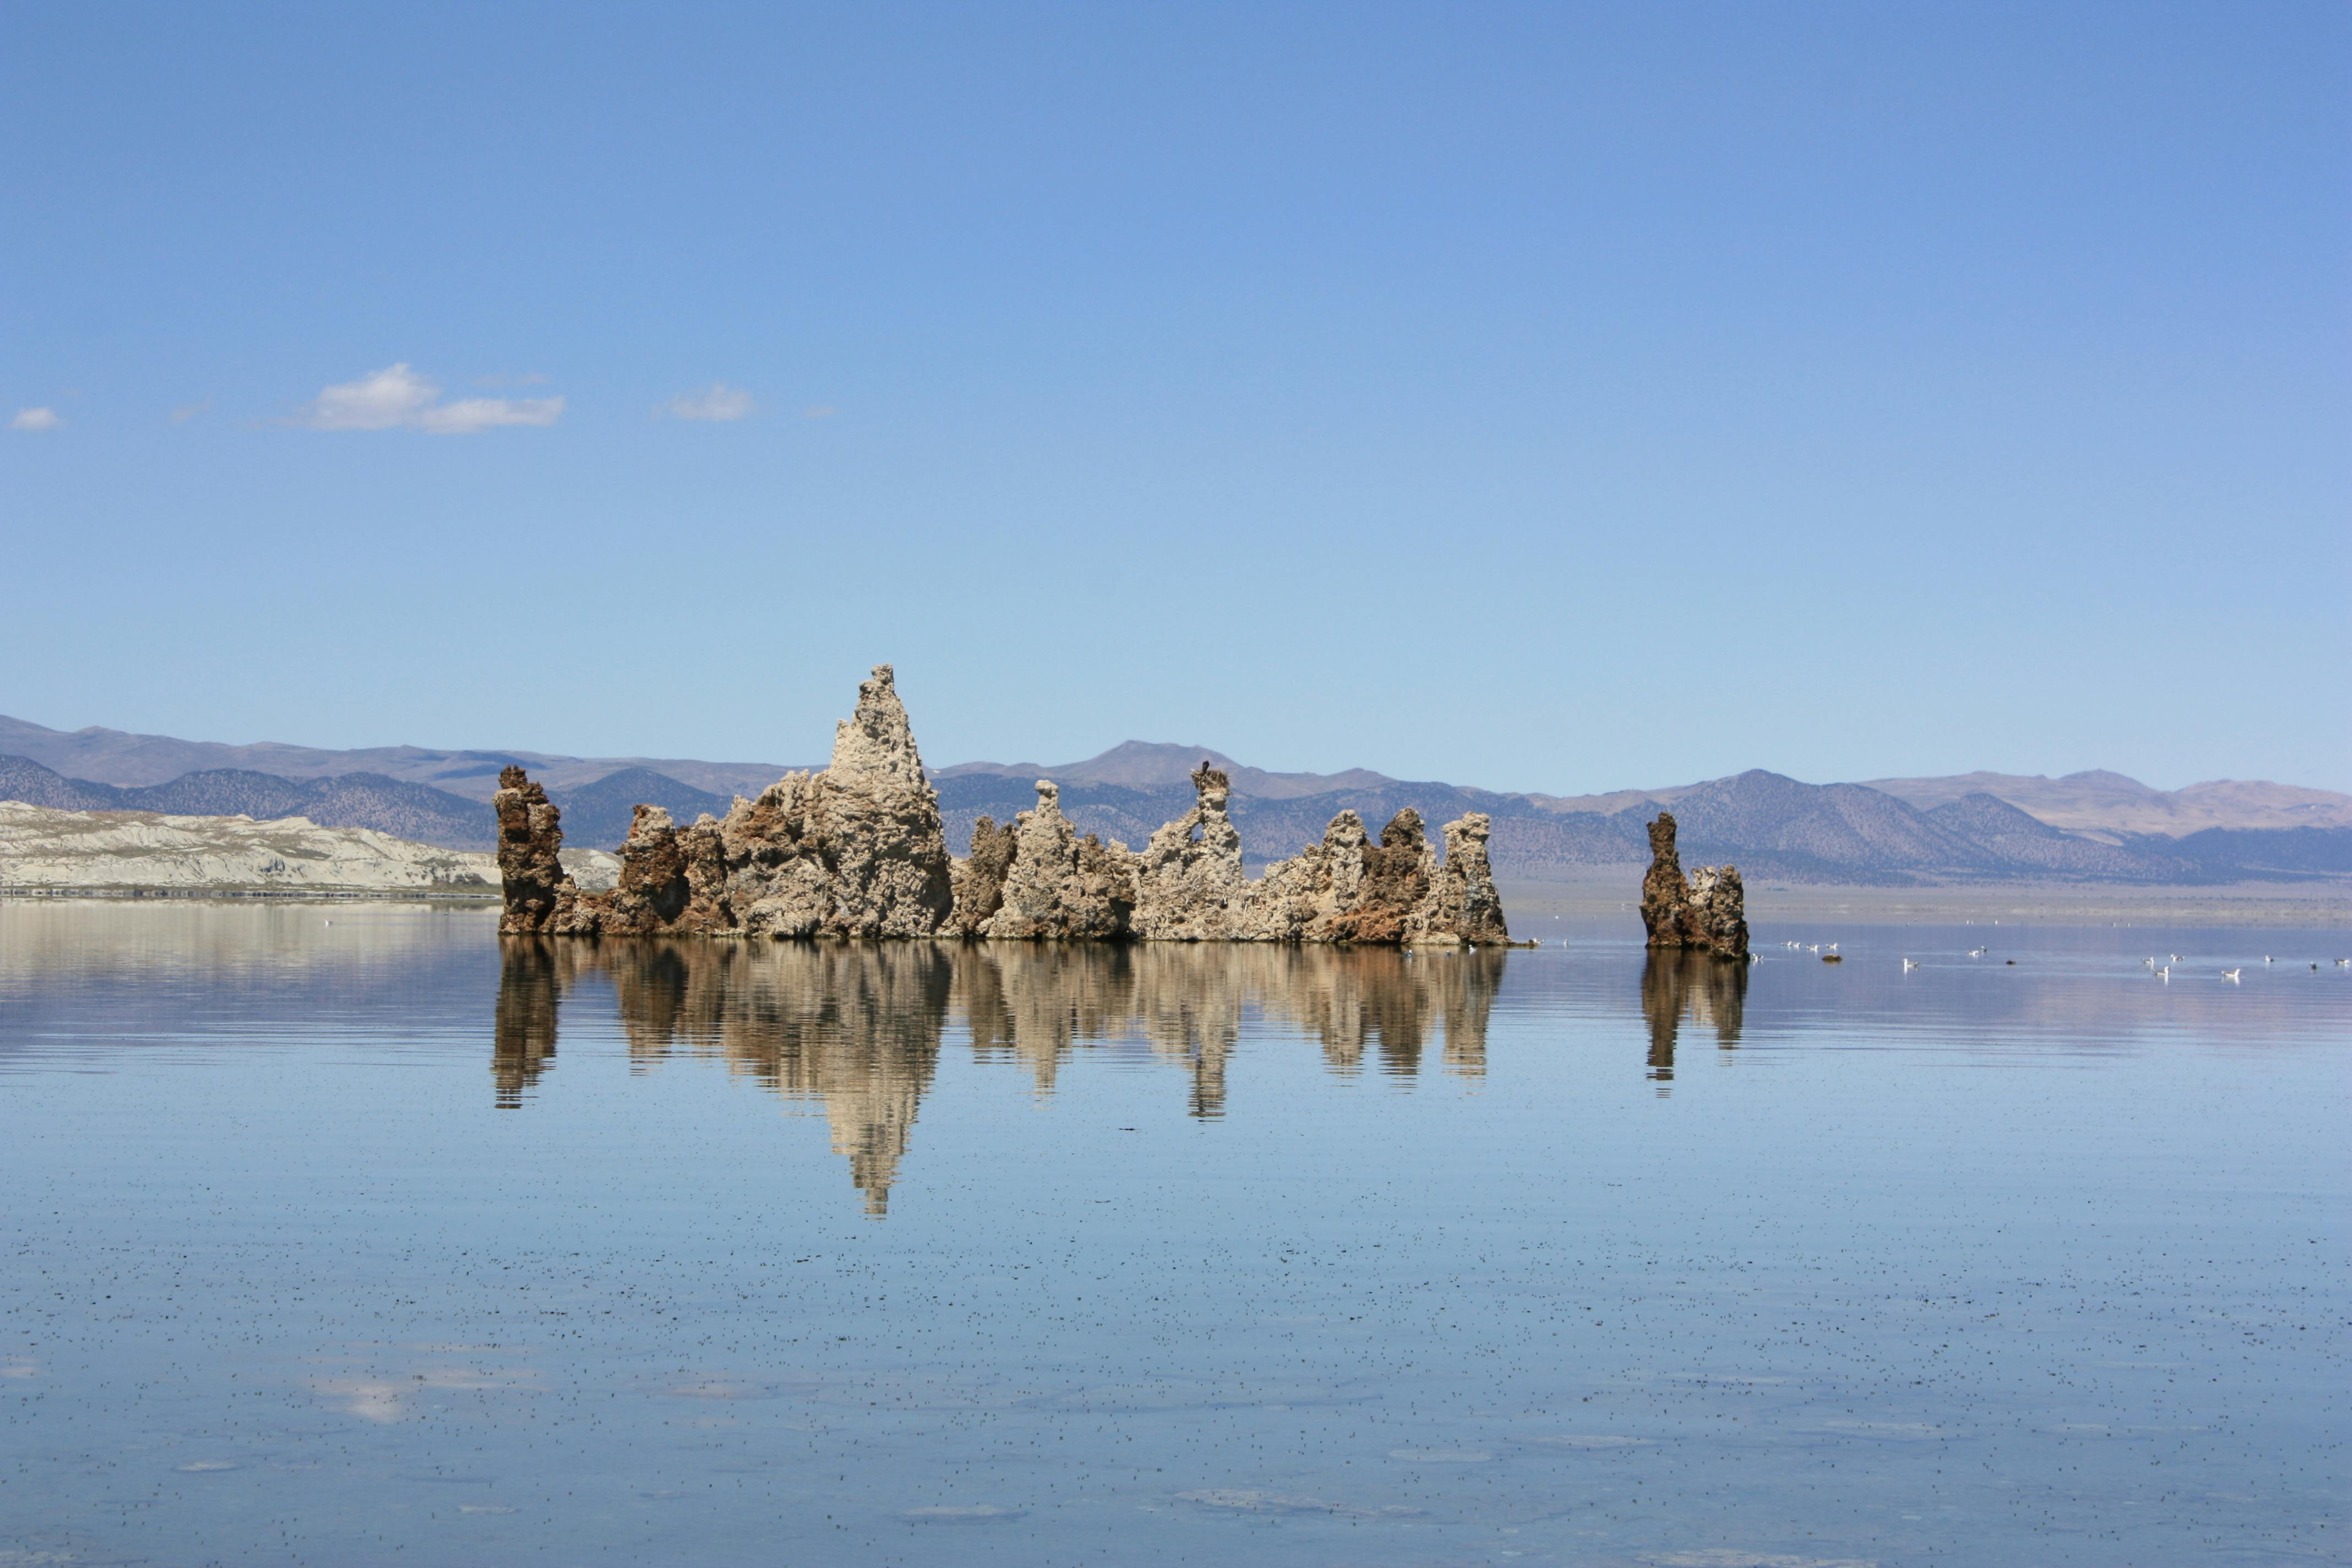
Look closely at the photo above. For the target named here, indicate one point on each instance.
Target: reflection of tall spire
(522, 1039)
(1712, 990)
(857, 1026)
(852, 1026)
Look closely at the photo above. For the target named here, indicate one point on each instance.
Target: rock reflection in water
(523, 1036)
(1707, 990)
(858, 1028)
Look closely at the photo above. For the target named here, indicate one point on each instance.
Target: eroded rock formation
(1706, 911)
(1190, 886)
(858, 850)
(529, 837)
(979, 877)
(1302, 898)
(1057, 884)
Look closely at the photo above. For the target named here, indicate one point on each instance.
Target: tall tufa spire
(874, 748)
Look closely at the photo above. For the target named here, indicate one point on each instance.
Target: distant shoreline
(2015, 903)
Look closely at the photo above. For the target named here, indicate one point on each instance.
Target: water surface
(347, 1234)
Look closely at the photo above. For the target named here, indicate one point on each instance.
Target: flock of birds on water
(1829, 954)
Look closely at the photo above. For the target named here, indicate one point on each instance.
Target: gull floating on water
(1979, 952)
(1909, 964)
(2232, 973)
(2165, 974)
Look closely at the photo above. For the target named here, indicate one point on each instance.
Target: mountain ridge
(2094, 800)
(2106, 826)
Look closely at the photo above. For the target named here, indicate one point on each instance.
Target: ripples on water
(350, 1233)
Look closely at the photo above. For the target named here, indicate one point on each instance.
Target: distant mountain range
(595, 815)
(119, 757)
(1977, 826)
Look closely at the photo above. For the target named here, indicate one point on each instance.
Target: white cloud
(390, 397)
(396, 398)
(188, 411)
(36, 419)
(819, 411)
(469, 415)
(718, 401)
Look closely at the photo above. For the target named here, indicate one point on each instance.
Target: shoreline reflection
(858, 1028)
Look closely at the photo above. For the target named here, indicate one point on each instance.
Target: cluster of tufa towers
(858, 850)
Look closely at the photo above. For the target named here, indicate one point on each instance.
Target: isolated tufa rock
(1706, 911)
(1189, 885)
(530, 835)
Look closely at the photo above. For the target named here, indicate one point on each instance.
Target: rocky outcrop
(1396, 891)
(1302, 899)
(877, 820)
(530, 835)
(1464, 902)
(650, 895)
(1706, 911)
(1394, 885)
(979, 879)
(858, 850)
(1057, 885)
(1189, 885)
(854, 850)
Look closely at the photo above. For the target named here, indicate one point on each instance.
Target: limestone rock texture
(1706, 911)
(1301, 898)
(858, 850)
(979, 879)
(1464, 903)
(530, 837)
(1190, 886)
(1058, 885)
(650, 895)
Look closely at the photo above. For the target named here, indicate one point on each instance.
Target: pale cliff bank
(47, 850)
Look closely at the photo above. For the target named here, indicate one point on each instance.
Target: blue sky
(1547, 397)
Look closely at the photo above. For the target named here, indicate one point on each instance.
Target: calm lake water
(344, 1234)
